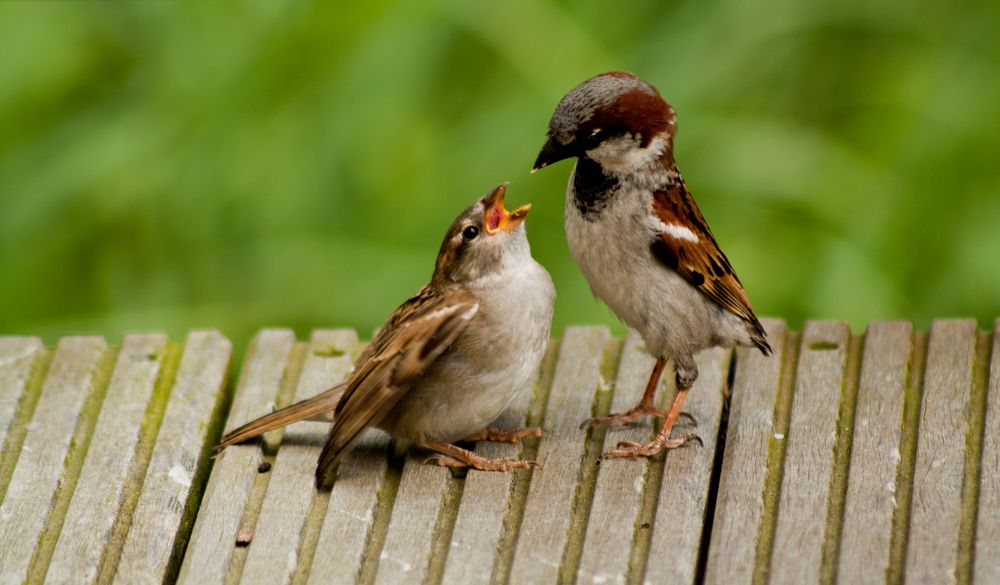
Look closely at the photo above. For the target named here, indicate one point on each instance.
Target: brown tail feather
(308, 409)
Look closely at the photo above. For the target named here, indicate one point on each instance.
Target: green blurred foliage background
(170, 165)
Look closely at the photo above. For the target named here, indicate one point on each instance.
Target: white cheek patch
(676, 231)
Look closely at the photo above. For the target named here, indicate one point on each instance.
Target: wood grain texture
(740, 501)
(405, 556)
(181, 450)
(350, 512)
(18, 356)
(46, 447)
(110, 463)
(275, 550)
(987, 553)
(210, 550)
(680, 515)
(932, 549)
(808, 465)
(484, 506)
(875, 453)
(618, 491)
(544, 532)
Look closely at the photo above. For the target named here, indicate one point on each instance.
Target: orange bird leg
(661, 441)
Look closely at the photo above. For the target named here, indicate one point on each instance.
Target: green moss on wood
(518, 498)
(841, 461)
(908, 457)
(974, 428)
(586, 481)
(776, 458)
(22, 416)
(101, 375)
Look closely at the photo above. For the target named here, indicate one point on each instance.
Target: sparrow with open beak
(451, 358)
(640, 240)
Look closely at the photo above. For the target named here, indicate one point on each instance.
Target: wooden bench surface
(843, 458)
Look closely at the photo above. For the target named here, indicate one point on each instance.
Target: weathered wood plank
(987, 553)
(276, 547)
(18, 357)
(484, 505)
(47, 446)
(680, 514)
(812, 434)
(110, 463)
(619, 486)
(932, 552)
(350, 512)
(544, 534)
(405, 556)
(210, 550)
(875, 453)
(740, 501)
(162, 515)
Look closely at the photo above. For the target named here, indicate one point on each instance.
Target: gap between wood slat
(383, 513)
(841, 460)
(776, 457)
(22, 418)
(72, 465)
(321, 498)
(908, 459)
(290, 379)
(592, 451)
(444, 526)
(522, 481)
(974, 428)
(715, 478)
(203, 469)
(144, 450)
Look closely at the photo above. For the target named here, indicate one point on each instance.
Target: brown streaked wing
(413, 337)
(701, 263)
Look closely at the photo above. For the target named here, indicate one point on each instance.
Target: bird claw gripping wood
(634, 450)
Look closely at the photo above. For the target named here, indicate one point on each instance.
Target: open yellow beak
(497, 218)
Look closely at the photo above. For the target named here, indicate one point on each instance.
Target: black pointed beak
(552, 152)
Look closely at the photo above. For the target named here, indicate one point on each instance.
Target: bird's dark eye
(470, 232)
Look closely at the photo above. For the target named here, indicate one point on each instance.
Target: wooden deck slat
(680, 515)
(808, 465)
(846, 459)
(179, 457)
(618, 490)
(932, 551)
(111, 461)
(875, 453)
(405, 556)
(987, 553)
(350, 512)
(276, 548)
(740, 503)
(46, 448)
(544, 533)
(18, 356)
(484, 506)
(210, 550)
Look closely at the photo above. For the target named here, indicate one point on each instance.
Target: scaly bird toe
(505, 435)
(634, 450)
(622, 419)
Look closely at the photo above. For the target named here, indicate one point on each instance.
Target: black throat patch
(592, 187)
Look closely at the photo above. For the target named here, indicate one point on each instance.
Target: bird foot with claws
(449, 455)
(482, 463)
(504, 435)
(639, 411)
(633, 450)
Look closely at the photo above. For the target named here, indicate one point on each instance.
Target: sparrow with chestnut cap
(641, 241)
